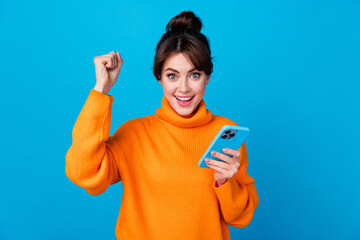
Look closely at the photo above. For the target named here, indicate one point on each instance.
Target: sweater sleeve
(91, 161)
(238, 196)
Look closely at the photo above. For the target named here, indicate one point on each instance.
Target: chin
(185, 111)
(185, 114)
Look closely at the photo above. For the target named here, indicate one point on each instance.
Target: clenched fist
(107, 69)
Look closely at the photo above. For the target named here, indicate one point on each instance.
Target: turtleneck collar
(167, 113)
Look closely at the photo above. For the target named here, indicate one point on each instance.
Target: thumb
(119, 60)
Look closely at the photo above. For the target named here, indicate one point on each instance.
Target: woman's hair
(183, 36)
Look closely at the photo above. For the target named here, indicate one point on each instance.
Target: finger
(219, 169)
(113, 58)
(222, 156)
(105, 60)
(217, 163)
(226, 172)
(110, 59)
(109, 62)
(234, 153)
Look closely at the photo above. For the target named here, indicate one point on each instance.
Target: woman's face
(183, 85)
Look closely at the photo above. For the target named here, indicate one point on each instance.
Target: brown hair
(183, 36)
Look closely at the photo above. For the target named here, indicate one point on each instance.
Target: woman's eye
(172, 76)
(195, 75)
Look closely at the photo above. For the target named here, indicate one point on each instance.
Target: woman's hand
(107, 69)
(224, 170)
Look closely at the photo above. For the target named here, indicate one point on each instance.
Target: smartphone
(229, 136)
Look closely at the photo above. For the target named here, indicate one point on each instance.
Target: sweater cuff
(95, 116)
(98, 102)
(229, 186)
(98, 94)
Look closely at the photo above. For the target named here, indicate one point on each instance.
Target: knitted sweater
(166, 194)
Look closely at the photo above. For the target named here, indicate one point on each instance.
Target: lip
(181, 104)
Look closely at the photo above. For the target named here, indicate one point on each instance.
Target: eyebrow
(177, 71)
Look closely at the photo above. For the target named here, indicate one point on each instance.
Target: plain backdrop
(288, 70)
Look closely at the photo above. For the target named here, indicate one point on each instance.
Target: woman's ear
(208, 79)
(160, 82)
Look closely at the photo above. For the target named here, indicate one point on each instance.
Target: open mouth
(184, 101)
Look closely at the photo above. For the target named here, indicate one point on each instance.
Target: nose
(183, 86)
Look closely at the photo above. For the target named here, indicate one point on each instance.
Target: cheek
(169, 88)
(199, 88)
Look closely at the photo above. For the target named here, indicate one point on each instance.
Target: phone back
(228, 137)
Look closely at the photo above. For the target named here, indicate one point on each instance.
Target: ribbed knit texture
(166, 194)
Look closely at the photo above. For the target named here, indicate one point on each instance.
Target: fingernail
(225, 149)
(207, 160)
(212, 152)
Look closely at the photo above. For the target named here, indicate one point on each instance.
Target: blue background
(288, 70)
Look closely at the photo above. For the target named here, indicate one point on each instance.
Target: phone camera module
(228, 134)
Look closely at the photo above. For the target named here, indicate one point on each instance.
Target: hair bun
(184, 21)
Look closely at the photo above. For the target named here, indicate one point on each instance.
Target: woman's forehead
(178, 62)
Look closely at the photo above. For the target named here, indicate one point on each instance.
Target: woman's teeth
(184, 99)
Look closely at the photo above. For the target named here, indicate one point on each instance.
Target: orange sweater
(166, 194)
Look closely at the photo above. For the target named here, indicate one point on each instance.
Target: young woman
(166, 194)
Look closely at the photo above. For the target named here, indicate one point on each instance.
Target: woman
(166, 194)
